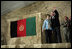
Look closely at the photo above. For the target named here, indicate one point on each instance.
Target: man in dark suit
(56, 25)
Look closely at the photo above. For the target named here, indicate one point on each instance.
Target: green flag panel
(31, 26)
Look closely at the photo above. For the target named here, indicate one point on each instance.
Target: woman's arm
(43, 27)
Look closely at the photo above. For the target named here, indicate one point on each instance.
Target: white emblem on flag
(21, 28)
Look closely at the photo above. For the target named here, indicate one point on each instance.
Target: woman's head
(47, 16)
(70, 18)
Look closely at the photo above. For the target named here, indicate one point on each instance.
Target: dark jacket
(55, 22)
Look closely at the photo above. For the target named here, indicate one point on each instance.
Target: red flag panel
(21, 28)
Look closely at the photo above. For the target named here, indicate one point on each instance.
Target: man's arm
(56, 12)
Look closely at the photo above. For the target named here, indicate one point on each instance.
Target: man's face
(52, 14)
(66, 18)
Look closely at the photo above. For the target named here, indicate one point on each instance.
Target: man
(66, 29)
(48, 29)
(56, 25)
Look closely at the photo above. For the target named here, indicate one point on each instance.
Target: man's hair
(48, 15)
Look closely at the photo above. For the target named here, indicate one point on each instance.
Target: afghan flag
(24, 27)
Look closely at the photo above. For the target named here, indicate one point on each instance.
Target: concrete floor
(58, 45)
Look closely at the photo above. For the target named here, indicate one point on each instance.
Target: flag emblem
(21, 28)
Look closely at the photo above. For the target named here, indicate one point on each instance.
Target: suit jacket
(55, 22)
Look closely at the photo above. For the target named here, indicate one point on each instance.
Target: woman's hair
(48, 15)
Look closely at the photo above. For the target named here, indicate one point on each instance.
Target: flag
(24, 27)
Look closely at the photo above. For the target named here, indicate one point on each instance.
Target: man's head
(52, 13)
(48, 16)
(66, 18)
(70, 18)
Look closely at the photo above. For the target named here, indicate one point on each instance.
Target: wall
(8, 6)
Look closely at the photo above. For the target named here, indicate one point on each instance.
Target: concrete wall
(8, 6)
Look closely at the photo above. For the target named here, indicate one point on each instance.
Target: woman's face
(48, 17)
